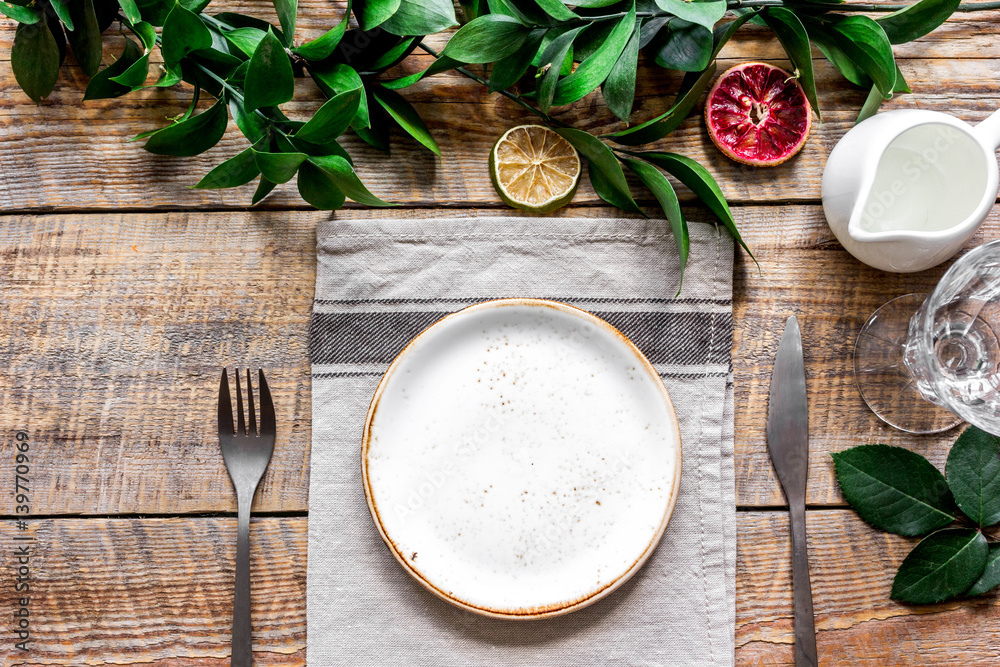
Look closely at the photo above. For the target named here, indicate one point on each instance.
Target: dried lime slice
(534, 169)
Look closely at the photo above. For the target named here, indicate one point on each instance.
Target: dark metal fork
(247, 454)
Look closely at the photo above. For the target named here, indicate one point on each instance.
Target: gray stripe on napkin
(367, 337)
(379, 283)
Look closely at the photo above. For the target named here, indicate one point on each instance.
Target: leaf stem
(506, 93)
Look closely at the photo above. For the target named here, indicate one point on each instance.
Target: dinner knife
(788, 444)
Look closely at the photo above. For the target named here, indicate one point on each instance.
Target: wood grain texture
(118, 325)
(138, 591)
(72, 155)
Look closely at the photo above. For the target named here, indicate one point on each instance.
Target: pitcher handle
(989, 130)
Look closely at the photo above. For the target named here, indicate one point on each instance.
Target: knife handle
(805, 627)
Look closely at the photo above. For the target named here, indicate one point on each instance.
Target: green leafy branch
(900, 492)
(541, 54)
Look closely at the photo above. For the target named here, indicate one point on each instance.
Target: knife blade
(788, 444)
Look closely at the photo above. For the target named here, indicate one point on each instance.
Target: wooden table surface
(122, 294)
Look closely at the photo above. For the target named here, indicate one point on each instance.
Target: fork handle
(241, 654)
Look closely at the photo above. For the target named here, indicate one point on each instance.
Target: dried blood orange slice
(758, 114)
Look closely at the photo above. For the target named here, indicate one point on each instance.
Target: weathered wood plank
(140, 591)
(134, 591)
(851, 571)
(71, 155)
(117, 326)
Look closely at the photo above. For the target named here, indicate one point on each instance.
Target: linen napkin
(379, 283)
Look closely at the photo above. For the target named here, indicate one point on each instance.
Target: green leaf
(251, 124)
(942, 566)
(154, 11)
(619, 87)
(62, 10)
(346, 180)
(605, 171)
(508, 71)
(701, 182)
(322, 47)
(183, 32)
(595, 69)
(394, 55)
(403, 113)
(840, 60)
(85, 38)
(471, 9)
(687, 46)
(34, 57)
(234, 172)
(286, 10)
(526, 12)
(550, 68)
(705, 14)
(376, 133)
(864, 42)
(317, 187)
(973, 471)
(373, 13)
(135, 76)
(917, 20)
(658, 184)
(793, 37)
(552, 34)
(339, 78)
(278, 167)
(264, 188)
(894, 489)
(20, 14)
(130, 10)
(103, 85)
(246, 40)
(196, 6)
(270, 80)
(486, 39)
(990, 578)
(664, 124)
(332, 118)
(421, 17)
(557, 10)
(243, 21)
(191, 136)
(441, 64)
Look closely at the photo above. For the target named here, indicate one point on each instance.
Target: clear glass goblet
(924, 364)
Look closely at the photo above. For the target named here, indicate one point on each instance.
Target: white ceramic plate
(521, 458)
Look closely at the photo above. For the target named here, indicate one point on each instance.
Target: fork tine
(225, 407)
(267, 422)
(241, 425)
(253, 416)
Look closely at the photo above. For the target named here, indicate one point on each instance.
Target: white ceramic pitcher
(904, 190)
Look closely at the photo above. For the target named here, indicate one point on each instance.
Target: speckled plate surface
(521, 458)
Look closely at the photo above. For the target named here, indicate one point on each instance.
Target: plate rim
(534, 612)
